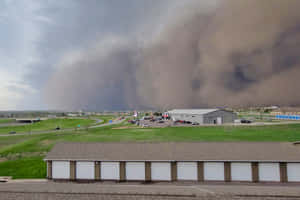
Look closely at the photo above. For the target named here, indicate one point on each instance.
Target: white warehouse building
(203, 116)
(182, 161)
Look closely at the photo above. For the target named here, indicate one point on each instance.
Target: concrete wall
(193, 171)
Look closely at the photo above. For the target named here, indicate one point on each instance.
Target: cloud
(97, 77)
(244, 53)
(234, 53)
(139, 54)
(13, 91)
(19, 31)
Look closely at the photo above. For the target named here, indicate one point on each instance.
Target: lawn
(33, 167)
(27, 149)
(49, 124)
(6, 121)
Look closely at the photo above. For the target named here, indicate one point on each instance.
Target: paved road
(63, 130)
(108, 124)
(149, 191)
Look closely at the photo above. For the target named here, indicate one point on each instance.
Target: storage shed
(203, 116)
(188, 161)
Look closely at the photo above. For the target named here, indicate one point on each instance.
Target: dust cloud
(238, 53)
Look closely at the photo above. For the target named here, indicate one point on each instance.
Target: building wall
(177, 171)
(226, 116)
(187, 117)
(209, 118)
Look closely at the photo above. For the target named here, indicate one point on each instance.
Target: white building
(203, 116)
(188, 161)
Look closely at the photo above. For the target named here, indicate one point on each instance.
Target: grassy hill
(6, 121)
(22, 150)
(49, 124)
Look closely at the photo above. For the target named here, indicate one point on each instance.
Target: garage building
(203, 116)
(188, 161)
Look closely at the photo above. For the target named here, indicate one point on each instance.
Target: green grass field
(49, 124)
(6, 121)
(24, 168)
(23, 150)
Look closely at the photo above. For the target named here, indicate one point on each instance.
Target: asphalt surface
(170, 123)
(108, 124)
(178, 189)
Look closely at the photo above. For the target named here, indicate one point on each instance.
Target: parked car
(132, 121)
(146, 118)
(246, 121)
(161, 121)
(195, 123)
(12, 132)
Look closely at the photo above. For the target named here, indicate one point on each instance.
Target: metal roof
(177, 151)
(192, 111)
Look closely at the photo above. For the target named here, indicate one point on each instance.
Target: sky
(35, 34)
(138, 54)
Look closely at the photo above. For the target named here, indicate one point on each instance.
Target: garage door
(214, 171)
(268, 172)
(161, 171)
(61, 169)
(241, 172)
(85, 170)
(110, 171)
(293, 172)
(135, 171)
(187, 171)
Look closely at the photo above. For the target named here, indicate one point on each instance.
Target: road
(108, 124)
(63, 130)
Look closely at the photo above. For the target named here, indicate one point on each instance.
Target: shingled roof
(177, 151)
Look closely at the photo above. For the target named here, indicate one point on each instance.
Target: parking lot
(170, 123)
(156, 123)
(44, 189)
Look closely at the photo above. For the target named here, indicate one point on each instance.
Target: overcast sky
(117, 54)
(35, 34)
